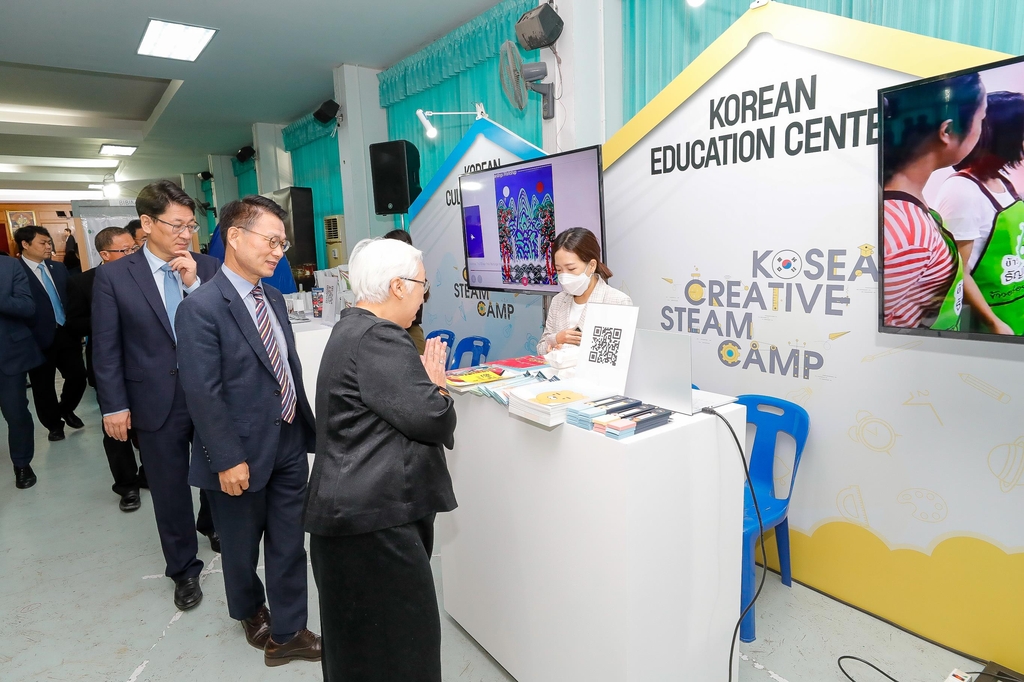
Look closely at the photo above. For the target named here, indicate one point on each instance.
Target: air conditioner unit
(334, 235)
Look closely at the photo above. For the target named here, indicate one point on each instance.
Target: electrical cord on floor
(840, 660)
(760, 528)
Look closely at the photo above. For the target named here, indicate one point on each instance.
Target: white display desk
(572, 556)
(310, 341)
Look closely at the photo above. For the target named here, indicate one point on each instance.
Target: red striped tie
(270, 343)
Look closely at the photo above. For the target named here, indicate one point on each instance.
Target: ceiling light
(694, 3)
(427, 126)
(111, 190)
(116, 150)
(95, 186)
(174, 41)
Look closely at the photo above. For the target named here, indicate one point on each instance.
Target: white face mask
(575, 285)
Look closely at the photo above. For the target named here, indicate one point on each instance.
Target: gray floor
(84, 598)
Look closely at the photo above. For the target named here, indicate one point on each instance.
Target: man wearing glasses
(113, 244)
(134, 357)
(254, 426)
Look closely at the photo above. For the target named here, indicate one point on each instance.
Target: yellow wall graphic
(967, 594)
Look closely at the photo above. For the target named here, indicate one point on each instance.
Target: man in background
(134, 303)
(18, 354)
(71, 259)
(61, 347)
(416, 330)
(134, 228)
(113, 244)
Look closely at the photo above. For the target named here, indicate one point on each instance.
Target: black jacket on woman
(381, 428)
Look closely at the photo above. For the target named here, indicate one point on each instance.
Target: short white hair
(375, 262)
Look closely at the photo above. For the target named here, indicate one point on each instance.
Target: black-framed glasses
(273, 241)
(424, 282)
(129, 251)
(176, 228)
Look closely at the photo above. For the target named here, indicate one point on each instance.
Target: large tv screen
(951, 223)
(512, 214)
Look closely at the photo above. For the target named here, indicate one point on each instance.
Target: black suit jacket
(233, 395)
(381, 430)
(18, 349)
(44, 324)
(134, 354)
(79, 310)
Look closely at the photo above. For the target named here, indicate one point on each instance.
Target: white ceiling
(70, 78)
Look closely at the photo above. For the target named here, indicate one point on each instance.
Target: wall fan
(517, 78)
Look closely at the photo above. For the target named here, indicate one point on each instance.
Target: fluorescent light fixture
(694, 3)
(96, 186)
(427, 126)
(174, 41)
(116, 150)
(54, 195)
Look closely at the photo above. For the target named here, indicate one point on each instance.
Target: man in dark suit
(113, 244)
(133, 308)
(18, 354)
(254, 426)
(62, 348)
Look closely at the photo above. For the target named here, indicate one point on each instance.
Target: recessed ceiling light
(174, 41)
(116, 150)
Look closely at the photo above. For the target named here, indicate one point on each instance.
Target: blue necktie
(172, 294)
(51, 291)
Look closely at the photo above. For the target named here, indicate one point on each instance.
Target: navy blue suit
(235, 401)
(18, 354)
(61, 346)
(135, 362)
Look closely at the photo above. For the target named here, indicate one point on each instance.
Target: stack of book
(462, 380)
(546, 402)
(637, 408)
(583, 414)
(625, 427)
(525, 362)
(499, 390)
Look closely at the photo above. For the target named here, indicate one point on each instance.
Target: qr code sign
(605, 347)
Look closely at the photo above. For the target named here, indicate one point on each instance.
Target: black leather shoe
(24, 477)
(130, 501)
(72, 420)
(187, 593)
(257, 628)
(56, 435)
(214, 541)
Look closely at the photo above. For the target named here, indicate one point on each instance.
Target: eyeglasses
(129, 251)
(424, 282)
(273, 241)
(177, 229)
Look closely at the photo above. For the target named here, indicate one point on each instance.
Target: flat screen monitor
(512, 214)
(951, 220)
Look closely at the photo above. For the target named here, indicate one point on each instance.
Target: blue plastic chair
(770, 416)
(478, 346)
(448, 336)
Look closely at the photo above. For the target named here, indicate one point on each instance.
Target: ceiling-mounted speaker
(245, 153)
(206, 175)
(327, 112)
(540, 27)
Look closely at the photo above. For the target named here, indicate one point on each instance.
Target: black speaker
(395, 173)
(327, 112)
(539, 27)
(245, 153)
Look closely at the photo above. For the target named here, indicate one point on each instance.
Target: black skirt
(378, 609)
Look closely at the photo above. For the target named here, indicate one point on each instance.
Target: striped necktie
(266, 330)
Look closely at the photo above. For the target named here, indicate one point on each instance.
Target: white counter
(576, 557)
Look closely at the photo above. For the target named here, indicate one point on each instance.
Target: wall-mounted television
(511, 215)
(951, 219)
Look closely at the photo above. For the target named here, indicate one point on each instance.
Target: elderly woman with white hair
(383, 419)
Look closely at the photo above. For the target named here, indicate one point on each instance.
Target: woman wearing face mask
(584, 279)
